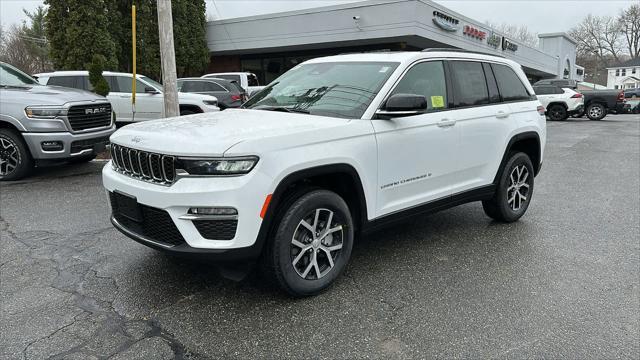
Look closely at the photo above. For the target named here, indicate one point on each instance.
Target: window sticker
(383, 69)
(437, 101)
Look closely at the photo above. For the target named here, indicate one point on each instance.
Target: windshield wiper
(282, 109)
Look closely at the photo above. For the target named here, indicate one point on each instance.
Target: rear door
(484, 122)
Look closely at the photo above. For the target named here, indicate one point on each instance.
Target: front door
(417, 154)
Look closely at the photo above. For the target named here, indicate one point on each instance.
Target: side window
(124, 84)
(509, 84)
(426, 78)
(470, 85)
(211, 86)
(541, 90)
(494, 95)
(66, 81)
(558, 90)
(86, 84)
(113, 83)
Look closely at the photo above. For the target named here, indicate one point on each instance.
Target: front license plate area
(127, 206)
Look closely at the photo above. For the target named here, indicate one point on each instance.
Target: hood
(46, 95)
(211, 134)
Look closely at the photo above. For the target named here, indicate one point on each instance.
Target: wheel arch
(527, 142)
(341, 178)
(563, 104)
(8, 122)
(191, 107)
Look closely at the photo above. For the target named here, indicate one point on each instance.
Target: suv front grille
(143, 165)
(152, 223)
(85, 117)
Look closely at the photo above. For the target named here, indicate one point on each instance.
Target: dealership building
(268, 45)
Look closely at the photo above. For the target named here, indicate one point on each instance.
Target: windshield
(10, 76)
(152, 82)
(340, 89)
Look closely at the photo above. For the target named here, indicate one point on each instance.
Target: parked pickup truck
(598, 103)
(40, 124)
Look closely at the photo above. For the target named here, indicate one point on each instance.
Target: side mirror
(150, 90)
(404, 105)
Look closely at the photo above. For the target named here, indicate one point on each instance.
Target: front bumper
(73, 144)
(242, 193)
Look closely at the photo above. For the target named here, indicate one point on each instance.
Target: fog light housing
(52, 145)
(213, 211)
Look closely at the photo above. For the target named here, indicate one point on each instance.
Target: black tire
(186, 112)
(596, 111)
(500, 207)
(82, 159)
(557, 112)
(285, 263)
(14, 155)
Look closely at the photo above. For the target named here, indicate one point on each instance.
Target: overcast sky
(540, 16)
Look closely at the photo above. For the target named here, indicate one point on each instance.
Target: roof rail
(460, 51)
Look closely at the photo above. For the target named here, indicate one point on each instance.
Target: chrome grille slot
(155, 163)
(142, 165)
(135, 163)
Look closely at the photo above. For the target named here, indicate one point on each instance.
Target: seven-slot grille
(85, 117)
(143, 165)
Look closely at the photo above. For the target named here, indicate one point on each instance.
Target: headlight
(210, 102)
(44, 112)
(217, 167)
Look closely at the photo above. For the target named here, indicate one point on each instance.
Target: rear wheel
(311, 245)
(557, 112)
(596, 111)
(515, 188)
(15, 160)
(186, 112)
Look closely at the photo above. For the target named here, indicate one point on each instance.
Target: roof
(411, 56)
(628, 63)
(83, 72)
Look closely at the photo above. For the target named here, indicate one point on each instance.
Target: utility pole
(168, 59)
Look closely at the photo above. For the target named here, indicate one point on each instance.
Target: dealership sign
(494, 40)
(508, 45)
(474, 32)
(445, 22)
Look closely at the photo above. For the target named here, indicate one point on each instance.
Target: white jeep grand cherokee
(335, 147)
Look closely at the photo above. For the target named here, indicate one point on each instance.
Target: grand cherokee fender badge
(405, 181)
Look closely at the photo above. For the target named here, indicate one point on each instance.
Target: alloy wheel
(316, 244)
(518, 190)
(595, 111)
(9, 156)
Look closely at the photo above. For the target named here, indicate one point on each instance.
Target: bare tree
(629, 23)
(520, 33)
(15, 50)
(598, 35)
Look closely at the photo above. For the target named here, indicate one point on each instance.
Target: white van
(149, 99)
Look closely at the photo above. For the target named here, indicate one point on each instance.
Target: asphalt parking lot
(562, 282)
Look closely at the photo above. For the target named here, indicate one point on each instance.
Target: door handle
(502, 114)
(446, 123)
(125, 96)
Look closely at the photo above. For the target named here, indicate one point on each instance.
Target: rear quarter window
(510, 86)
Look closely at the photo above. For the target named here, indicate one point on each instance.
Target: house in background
(624, 76)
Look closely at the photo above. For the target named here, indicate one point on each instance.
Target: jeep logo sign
(99, 110)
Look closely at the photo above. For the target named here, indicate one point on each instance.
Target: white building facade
(268, 45)
(625, 75)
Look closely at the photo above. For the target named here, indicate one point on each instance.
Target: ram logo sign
(99, 110)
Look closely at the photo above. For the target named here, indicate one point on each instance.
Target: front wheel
(515, 188)
(311, 245)
(15, 159)
(596, 111)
